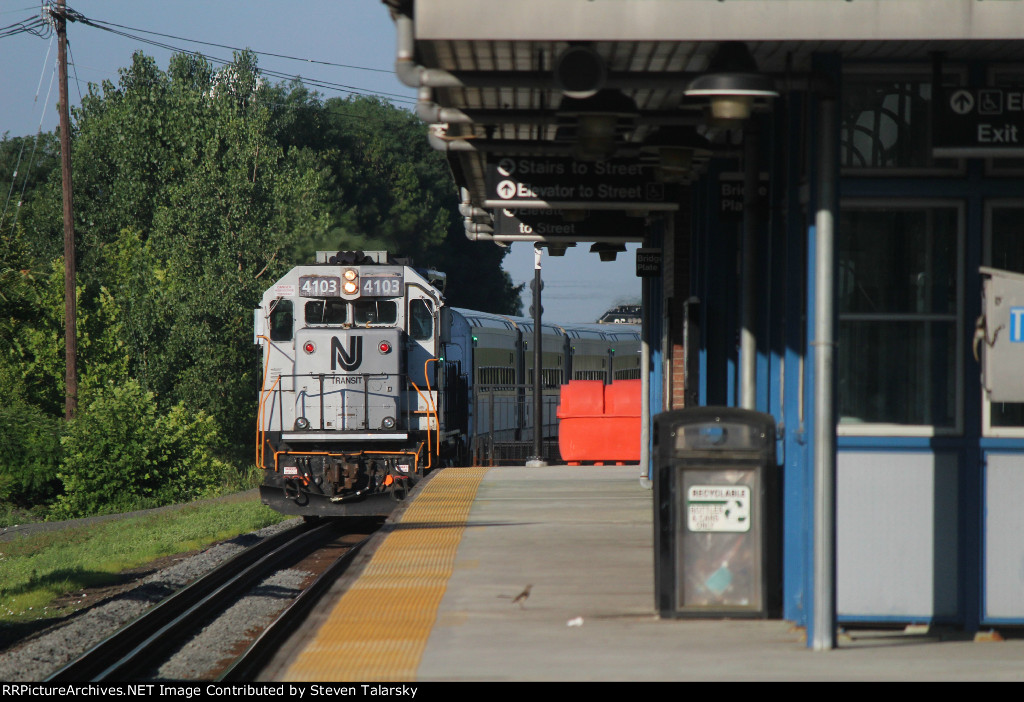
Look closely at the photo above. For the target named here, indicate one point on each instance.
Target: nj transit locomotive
(369, 380)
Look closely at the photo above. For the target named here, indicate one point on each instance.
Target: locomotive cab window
(421, 320)
(370, 312)
(326, 312)
(281, 321)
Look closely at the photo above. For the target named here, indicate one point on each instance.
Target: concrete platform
(580, 540)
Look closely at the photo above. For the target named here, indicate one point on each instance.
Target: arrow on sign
(962, 102)
(506, 190)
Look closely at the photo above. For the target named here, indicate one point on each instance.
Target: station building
(819, 254)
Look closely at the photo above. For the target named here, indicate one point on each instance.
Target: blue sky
(357, 33)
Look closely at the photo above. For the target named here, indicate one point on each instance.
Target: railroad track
(138, 647)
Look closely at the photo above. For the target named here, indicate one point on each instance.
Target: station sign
(565, 183)
(648, 263)
(978, 122)
(553, 225)
(730, 193)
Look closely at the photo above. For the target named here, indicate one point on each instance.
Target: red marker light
(384, 347)
(309, 347)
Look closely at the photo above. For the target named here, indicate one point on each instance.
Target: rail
(134, 647)
(248, 665)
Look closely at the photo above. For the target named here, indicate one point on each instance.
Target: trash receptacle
(715, 486)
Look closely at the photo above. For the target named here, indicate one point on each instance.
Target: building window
(886, 124)
(899, 287)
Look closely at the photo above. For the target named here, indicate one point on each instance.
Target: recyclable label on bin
(718, 508)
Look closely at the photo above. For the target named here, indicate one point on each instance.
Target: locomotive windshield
(374, 312)
(421, 320)
(281, 321)
(326, 312)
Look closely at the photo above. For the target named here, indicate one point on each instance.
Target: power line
(102, 23)
(35, 143)
(20, 9)
(37, 26)
(76, 16)
(74, 66)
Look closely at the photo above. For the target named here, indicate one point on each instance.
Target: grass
(36, 570)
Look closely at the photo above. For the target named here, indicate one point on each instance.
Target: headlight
(388, 423)
(302, 423)
(351, 284)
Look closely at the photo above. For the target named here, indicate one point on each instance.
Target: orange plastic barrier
(599, 423)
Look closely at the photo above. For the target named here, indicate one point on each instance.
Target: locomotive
(370, 381)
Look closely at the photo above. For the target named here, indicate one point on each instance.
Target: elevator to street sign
(555, 225)
(565, 183)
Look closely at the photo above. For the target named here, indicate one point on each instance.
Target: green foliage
(29, 455)
(31, 326)
(120, 454)
(391, 191)
(27, 164)
(36, 569)
(195, 189)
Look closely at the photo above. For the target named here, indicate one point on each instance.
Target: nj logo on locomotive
(349, 359)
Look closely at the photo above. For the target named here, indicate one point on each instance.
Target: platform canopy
(552, 110)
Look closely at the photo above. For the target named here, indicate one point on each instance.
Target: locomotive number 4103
(379, 286)
(330, 286)
(319, 286)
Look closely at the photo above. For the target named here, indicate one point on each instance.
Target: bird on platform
(521, 597)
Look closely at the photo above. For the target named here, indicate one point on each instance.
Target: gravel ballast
(46, 652)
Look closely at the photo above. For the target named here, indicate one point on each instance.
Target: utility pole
(70, 322)
(537, 459)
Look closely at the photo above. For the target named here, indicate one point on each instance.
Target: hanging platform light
(732, 82)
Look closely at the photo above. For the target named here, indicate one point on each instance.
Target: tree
(195, 189)
(392, 191)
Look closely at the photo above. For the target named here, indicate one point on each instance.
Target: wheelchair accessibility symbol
(990, 102)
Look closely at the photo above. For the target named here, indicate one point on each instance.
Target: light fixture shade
(676, 149)
(732, 82)
(598, 120)
(607, 252)
(751, 84)
(579, 71)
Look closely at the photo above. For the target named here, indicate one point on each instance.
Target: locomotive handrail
(433, 407)
(261, 433)
(428, 401)
(365, 390)
(322, 377)
(264, 394)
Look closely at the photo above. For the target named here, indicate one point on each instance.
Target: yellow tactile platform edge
(379, 628)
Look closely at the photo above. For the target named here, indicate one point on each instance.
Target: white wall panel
(896, 543)
(1004, 537)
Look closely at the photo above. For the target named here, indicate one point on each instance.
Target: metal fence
(502, 427)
